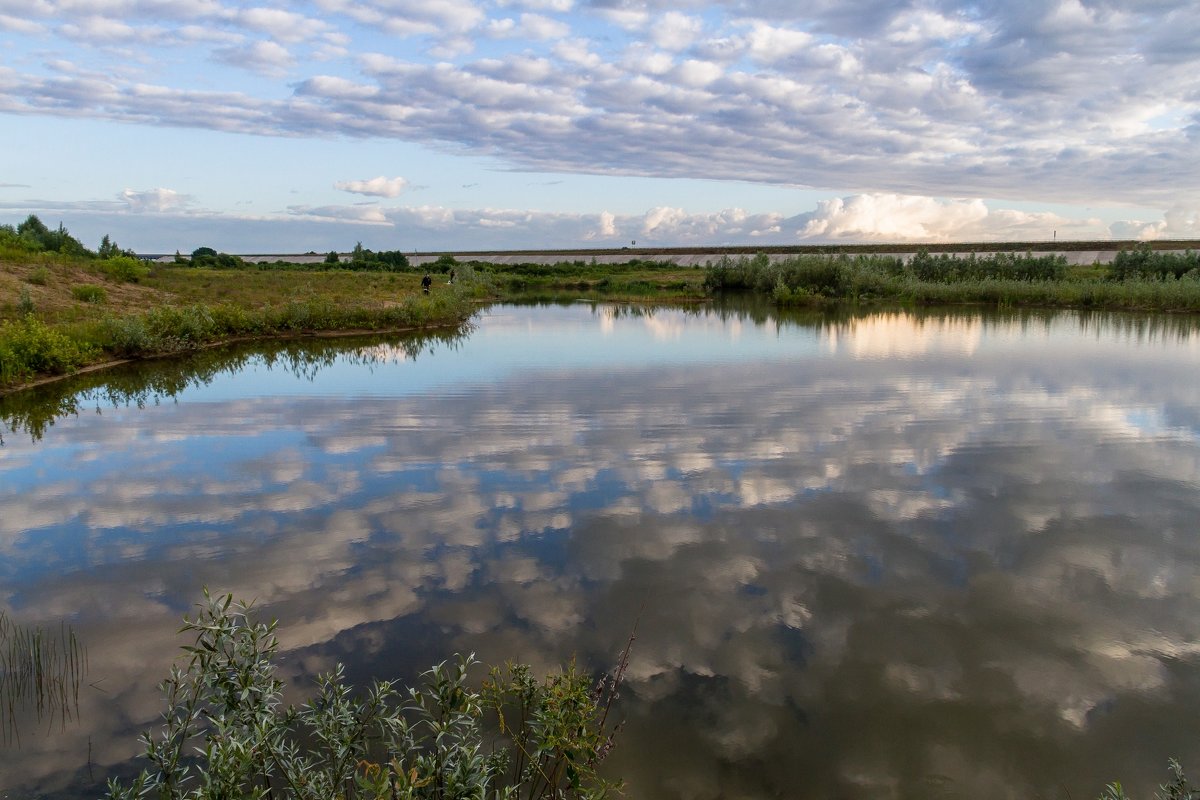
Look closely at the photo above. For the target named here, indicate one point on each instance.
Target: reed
(40, 670)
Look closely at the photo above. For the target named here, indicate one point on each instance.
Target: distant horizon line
(1040, 245)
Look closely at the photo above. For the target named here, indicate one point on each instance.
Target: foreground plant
(1177, 788)
(226, 733)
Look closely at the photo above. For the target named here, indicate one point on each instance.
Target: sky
(272, 127)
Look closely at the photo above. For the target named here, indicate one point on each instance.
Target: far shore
(1076, 253)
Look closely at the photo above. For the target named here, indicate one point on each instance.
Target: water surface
(889, 554)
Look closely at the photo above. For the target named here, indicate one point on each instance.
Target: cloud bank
(163, 220)
(1065, 102)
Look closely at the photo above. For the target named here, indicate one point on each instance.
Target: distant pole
(1056, 235)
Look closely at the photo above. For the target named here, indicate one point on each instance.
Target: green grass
(68, 312)
(89, 293)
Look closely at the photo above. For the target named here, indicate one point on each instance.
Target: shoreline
(100, 366)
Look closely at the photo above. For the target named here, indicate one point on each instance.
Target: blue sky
(475, 124)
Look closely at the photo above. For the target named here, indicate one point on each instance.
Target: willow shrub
(226, 732)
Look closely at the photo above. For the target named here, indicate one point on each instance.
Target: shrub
(123, 268)
(89, 293)
(25, 302)
(39, 276)
(1144, 263)
(29, 347)
(227, 734)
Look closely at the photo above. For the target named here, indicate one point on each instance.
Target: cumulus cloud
(893, 217)
(270, 58)
(154, 201)
(375, 187)
(286, 26)
(1177, 223)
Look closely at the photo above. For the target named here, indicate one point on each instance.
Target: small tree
(108, 248)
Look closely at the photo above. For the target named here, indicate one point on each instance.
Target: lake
(885, 554)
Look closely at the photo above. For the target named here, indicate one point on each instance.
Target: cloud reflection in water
(918, 555)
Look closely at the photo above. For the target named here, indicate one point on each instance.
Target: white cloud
(154, 201)
(8, 22)
(286, 26)
(768, 44)
(1177, 223)
(889, 216)
(375, 187)
(676, 31)
(561, 6)
(267, 57)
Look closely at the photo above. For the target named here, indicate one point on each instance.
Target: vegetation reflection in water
(152, 381)
(897, 554)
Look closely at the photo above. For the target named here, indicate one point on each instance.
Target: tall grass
(39, 670)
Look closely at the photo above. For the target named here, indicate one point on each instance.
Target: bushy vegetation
(383, 261)
(1143, 263)
(89, 293)
(226, 733)
(123, 268)
(32, 236)
(29, 347)
(1002, 279)
(209, 258)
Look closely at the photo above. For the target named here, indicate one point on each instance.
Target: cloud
(851, 218)
(154, 201)
(676, 31)
(1177, 223)
(17, 24)
(286, 26)
(886, 216)
(1009, 101)
(375, 187)
(412, 17)
(530, 26)
(270, 58)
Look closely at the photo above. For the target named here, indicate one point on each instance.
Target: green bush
(29, 347)
(123, 268)
(227, 734)
(39, 276)
(1142, 263)
(89, 293)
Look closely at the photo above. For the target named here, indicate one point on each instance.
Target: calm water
(875, 556)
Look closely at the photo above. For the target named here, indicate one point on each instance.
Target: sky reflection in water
(892, 555)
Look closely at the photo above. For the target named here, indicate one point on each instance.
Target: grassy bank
(48, 326)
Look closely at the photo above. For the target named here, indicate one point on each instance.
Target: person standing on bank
(426, 282)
